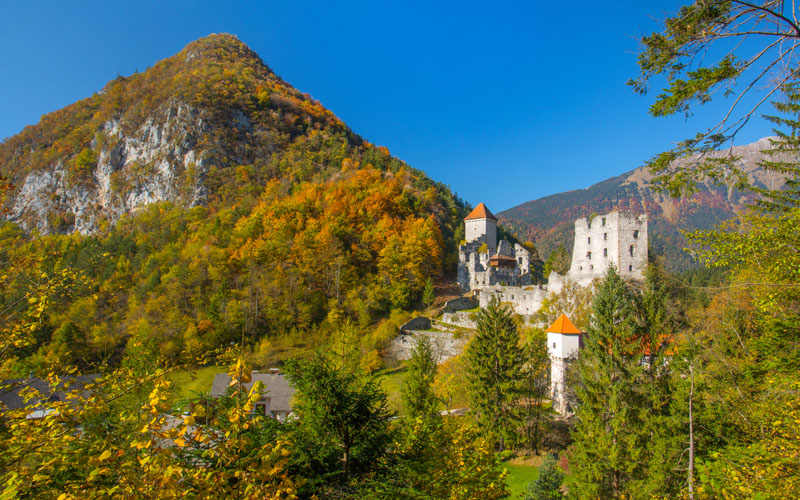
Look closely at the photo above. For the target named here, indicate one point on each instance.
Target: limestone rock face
(158, 162)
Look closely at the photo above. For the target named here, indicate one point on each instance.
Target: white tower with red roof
(563, 344)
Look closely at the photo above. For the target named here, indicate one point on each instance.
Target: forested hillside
(548, 221)
(202, 202)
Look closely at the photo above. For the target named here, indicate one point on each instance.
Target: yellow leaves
(199, 411)
(105, 455)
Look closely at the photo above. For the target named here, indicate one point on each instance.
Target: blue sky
(503, 101)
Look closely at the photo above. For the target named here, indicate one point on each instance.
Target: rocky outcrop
(158, 162)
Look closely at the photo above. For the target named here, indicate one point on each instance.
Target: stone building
(482, 261)
(276, 397)
(616, 238)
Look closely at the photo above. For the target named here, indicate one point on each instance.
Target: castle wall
(523, 300)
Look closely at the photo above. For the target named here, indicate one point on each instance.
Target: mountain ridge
(547, 221)
(165, 135)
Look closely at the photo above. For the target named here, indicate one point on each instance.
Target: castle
(489, 269)
(483, 262)
(492, 270)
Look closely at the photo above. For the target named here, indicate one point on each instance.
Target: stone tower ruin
(616, 238)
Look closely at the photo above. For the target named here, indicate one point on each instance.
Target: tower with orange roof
(563, 345)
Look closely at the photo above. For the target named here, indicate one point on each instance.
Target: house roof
(11, 399)
(276, 388)
(563, 325)
(481, 212)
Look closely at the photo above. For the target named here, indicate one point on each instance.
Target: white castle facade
(498, 270)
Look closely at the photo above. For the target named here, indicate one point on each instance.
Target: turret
(481, 226)
(563, 344)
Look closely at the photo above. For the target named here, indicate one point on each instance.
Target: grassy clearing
(392, 381)
(188, 384)
(519, 476)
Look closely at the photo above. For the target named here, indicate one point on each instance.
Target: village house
(43, 394)
(276, 398)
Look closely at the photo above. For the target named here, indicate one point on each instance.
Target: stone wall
(523, 300)
(460, 304)
(462, 319)
(445, 345)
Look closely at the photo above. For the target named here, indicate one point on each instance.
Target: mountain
(212, 123)
(202, 202)
(548, 221)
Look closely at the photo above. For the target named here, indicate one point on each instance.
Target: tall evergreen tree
(495, 361)
(606, 455)
(663, 422)
(419, 399)
(535, 386)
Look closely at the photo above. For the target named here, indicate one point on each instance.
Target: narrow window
(630, 268)
(636, 235)
(632, 250)
(554, 345)
(591, 267)
(580, 268)
(605, 236)
(604, 221)
(589, 255)
(605, 252)
(589, 240)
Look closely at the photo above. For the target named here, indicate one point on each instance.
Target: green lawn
(189, 384)
(519, 476)
(392, 381)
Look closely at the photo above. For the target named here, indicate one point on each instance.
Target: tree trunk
(691, 434)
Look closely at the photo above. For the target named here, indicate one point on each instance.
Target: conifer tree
(547, 486)
(419, 399)
(495, 366)
(606, 455)
(427, 293)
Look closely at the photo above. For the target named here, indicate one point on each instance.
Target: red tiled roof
(563, 325)
(481, 212)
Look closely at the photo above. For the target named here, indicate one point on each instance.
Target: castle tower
(481, 226)
(563, 344)
(615, 238)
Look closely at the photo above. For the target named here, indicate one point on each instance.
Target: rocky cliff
(184, 131)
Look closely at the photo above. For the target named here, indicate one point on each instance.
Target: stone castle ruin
(482, 261)
(489, 269)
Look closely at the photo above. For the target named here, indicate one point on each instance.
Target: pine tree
(606, 455)
(495, 364)
(547, 486)
(663, 422)
(419, 400)
(427, 293)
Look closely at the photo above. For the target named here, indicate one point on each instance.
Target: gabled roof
(563, 325)
(11, 399)
(481, 212)
(276, 388)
